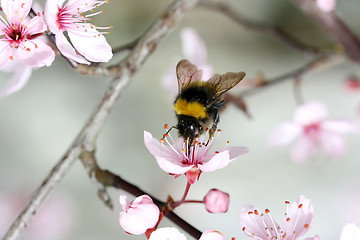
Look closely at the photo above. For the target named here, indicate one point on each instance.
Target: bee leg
(216, 120)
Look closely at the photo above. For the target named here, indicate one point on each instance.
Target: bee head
(189, 127)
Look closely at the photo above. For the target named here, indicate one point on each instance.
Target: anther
(267, 211)
(244, 228)
(165, 135)
(162, 140)
(250, 213)
(306, 226)
(287, 202)
(300, 205)
(288, 219)
(256, 212)
(166, 126)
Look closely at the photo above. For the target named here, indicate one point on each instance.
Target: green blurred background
(38, 123)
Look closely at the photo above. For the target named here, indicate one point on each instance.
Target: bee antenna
(165, 135)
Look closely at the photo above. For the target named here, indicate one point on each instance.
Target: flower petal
(51, 14)
(235, 151)
(326, 5)
(17, 81)
(299, 218)
(341, 126)
(350, 231)
(35, 53)
(333, 144)
(16, 10)
(36, 25)
(218, 161)
(284, 134)
(256, 224)
(5, 52)
(141, 215)
(302, 149)
(91, 44)
(67, 50)
(193, 46)
(166, 234)
(312, 112)
(211, 235)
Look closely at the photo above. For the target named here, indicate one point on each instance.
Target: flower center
(312, 129)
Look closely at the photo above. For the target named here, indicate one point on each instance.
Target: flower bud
(138, 215)
(216, 201)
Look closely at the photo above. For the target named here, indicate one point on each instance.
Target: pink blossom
(313, 132)
(326, 5)
(216, 201)
(171, 233)
(260, 225)
(19, 36)
(350, 231)
(85, 38)
(175, 160)
(194, 50)
(138, 215)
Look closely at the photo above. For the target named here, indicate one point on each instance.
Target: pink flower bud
(212, 235)
(216, 201)
(138, 215)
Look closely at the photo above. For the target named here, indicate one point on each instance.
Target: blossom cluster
(23, 45)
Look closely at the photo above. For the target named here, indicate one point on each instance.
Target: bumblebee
(198, 103)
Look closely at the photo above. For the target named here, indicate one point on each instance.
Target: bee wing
(186, 73)
(222, 83)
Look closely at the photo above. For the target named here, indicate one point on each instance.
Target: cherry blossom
(313, 132)
(194, 50)
(326, 5)
(19, 36)
(171, 233)
(68, 16)
(216, 201)
(260, 225)
(174, 159)
(350, 231)
(139, 215)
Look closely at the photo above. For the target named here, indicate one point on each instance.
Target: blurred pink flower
(194, 50)
(53, 220)
(70, 17)
(175, 160)
(18, 80)
(313, 132)
(216, 201)
(297, 221)
(139, 215)
(19, 36)
(171, 233)
(350, 231)
(326, 5)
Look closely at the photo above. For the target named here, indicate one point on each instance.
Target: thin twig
(315, 65)
(87, 137)
(334, 26)
(271, 30)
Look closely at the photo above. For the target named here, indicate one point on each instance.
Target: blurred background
(40, 122)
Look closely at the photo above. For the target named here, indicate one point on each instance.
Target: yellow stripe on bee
(194, 109)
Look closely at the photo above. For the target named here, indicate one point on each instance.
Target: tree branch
(271, 30)
(87, 137)
(334, 26)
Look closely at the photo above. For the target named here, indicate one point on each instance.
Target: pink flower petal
(253, 223)
(299, 218)
(51, 13)
(5, 52)
(333, 144)
(313, 238)
(138, 215)
(211, 235)
(235, 151)
(193, 46)
(326, 5)
(91, 44)
(284, 134)
(16, 10)
(167, 233)
(36, 25)
(67, 50)
(35, 53)
(17, 81)
(350, 231)
(309, 113)
(302, 149)
(216, 201)
(341, 126)
(218, 161)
